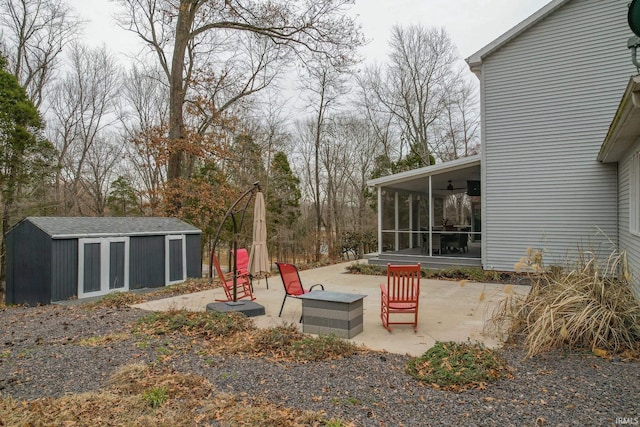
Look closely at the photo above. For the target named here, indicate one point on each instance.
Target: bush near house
(590, 306)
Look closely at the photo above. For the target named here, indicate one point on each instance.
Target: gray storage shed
(57, 258)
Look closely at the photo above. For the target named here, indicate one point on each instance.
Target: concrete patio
(448, 310)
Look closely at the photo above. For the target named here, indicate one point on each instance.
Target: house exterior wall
(627, 241)
(28, 265)
(548, 97)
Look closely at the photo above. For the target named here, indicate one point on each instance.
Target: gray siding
(194, 256)
(628, 242)
(548, 99)
(146, 268)
(64, 267)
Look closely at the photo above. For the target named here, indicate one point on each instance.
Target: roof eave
(625, 126)
(425, 171)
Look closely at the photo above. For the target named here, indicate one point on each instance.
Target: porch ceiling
(417, 181)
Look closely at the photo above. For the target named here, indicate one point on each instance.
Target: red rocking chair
(243, 283)
(400, 294)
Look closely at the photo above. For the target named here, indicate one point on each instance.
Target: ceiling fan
(450, 187)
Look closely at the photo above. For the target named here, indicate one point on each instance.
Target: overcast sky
(471, 23)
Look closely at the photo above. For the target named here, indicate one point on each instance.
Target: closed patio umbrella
(259, 256)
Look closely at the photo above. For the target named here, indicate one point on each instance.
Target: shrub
(456, 366)
(590, 306)
(207, 323)
(311, 349)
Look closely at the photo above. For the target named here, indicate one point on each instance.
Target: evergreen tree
(25, 156)
(122, 200)
(283, 206)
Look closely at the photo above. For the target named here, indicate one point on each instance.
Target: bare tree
(186, 35)
(83, 107)
(145, 118)
(414, 87)
(455, 133)
(325, 84)
(100, 169)
(35, 32)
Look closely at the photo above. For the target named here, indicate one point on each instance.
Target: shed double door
(103, 266)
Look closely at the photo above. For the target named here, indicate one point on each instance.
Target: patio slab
(448, 311)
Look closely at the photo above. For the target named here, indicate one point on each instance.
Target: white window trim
(167, 275)
(104, 266)
(634, 194)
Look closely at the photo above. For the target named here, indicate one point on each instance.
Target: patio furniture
(292, 283)
(327, 312)
(242, 264)
(243, 284)
(400, 294)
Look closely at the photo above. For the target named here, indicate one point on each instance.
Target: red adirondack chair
(292, 283)
(243, 284)
(400, 294)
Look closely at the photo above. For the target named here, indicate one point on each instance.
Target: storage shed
(57, 258)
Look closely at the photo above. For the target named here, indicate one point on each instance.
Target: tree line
(208, 107)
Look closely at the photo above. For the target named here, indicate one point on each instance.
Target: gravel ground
(40, 357)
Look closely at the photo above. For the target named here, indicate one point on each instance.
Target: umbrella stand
(231, 214)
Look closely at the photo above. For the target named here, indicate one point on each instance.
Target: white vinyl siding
(548, 97)
(628, 241)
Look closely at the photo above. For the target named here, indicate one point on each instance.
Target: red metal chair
(243, 283)
(292, 283)
(400, 294)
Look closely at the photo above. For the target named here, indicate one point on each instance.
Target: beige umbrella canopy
(259, 257)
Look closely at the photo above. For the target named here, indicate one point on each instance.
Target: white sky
(471, 23)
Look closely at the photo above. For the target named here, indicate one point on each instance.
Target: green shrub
(456, 366)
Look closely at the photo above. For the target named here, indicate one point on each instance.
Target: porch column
(410, 220)
(397, 220)
(379, 219)
(430, 219)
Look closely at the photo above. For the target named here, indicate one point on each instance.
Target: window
(634, 194)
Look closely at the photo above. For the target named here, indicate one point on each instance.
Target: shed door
(103, 266)
(175, 259)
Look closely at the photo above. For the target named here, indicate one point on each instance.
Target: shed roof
(477, 58)
(79, 227)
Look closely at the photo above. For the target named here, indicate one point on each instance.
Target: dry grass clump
(234, 333)
(130, 399)
(590, 306)
(208, 324)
